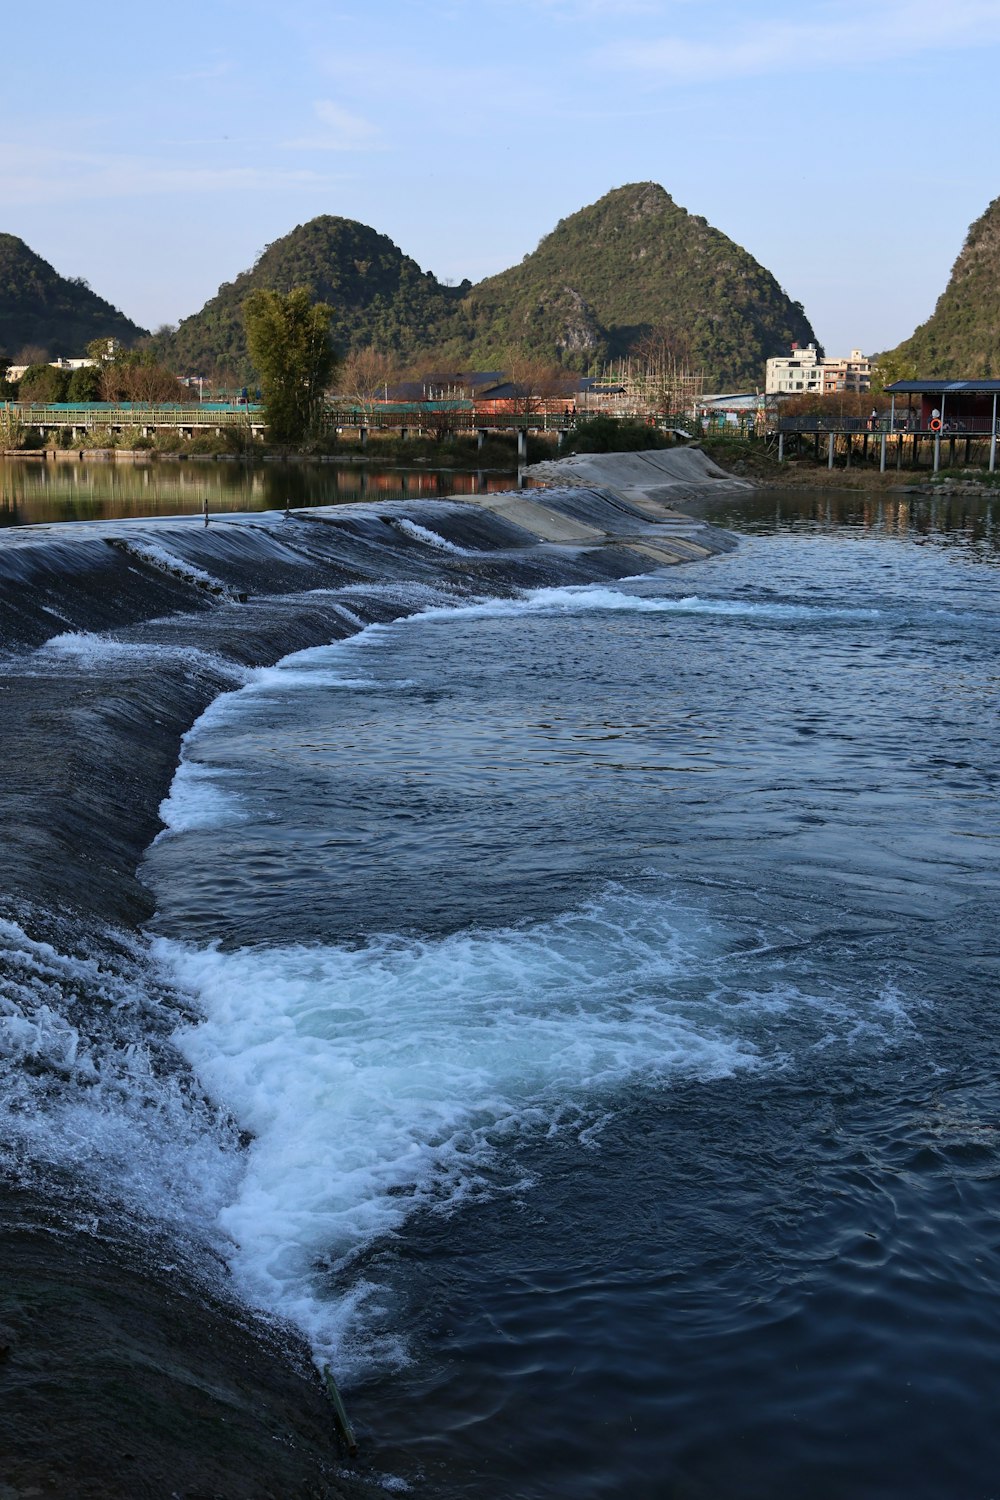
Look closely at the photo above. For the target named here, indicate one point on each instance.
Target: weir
(114, 639)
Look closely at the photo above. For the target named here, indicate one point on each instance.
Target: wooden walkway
(857, 442)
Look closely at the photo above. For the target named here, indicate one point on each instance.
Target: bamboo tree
(289, 341)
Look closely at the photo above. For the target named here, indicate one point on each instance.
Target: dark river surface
(609, 977)
(591, 995)
(34, 490)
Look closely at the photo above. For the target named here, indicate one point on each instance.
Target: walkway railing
(131, 414)
(429, 417)
(965, 427)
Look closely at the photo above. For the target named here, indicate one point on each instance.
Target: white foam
(97, 652)
(386, 1077)
(200, 797)
(159, 557)
(84, 1091)
(578, 598)
(430, 538)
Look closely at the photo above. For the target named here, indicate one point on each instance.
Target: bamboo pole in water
(346, 1430)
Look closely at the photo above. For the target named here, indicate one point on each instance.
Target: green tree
(888, 368)
(43, 383)
(288, 337)
(84, 384)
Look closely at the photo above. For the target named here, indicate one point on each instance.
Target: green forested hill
(632, 262)
(601, 281)
(379, 296)
(42, 309)
(961, 339)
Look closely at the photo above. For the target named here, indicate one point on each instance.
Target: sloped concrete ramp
(626, 500)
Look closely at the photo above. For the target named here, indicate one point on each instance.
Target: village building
(807, 372)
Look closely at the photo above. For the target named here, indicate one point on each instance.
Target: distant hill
(961, 338)
(631, 263)
(604, 278)
(378, 294)
(40, 308)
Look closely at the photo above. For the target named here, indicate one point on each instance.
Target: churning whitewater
(398, 1070)
(570, 1004)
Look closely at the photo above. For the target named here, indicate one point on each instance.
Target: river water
(37, 490)
(609, 979)
(594, 992)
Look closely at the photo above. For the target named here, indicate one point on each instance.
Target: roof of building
(920, 387)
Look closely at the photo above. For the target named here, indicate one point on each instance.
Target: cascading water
(570, 1011)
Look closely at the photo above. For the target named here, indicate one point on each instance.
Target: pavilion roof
(925, 387)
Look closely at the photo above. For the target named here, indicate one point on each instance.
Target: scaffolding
(645, 388)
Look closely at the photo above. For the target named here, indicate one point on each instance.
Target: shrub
(612, 435)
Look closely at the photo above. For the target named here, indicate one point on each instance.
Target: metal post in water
(205, 509)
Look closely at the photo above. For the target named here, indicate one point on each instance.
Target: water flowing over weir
(129, 1365)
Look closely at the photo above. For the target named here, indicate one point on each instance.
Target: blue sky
(846, 145)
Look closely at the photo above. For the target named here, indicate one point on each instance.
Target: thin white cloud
(340, 130)
(850, 34)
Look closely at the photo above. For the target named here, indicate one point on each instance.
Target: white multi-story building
(801, 371)
(805, 371)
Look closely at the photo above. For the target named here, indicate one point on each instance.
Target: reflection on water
(951, 518)
(35, 490)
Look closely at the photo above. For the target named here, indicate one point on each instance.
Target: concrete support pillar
(522, 442)
(881, 454)
(404, 433)
(993, 437)
(781, 447)
(480, 438)
(829, 451)
(363, 436)
(937, 451)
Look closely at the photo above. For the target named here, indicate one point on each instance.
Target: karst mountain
(961, 338)
(632, 267)
(632, 264)
(52, 314)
